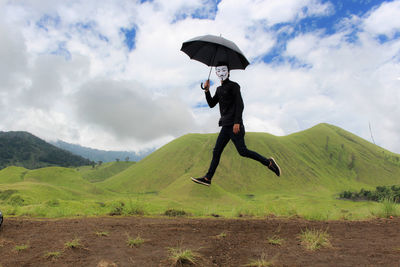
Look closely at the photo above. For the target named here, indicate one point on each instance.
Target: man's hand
(207, 85)
(236, 128)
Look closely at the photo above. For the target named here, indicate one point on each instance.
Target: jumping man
(231, 108)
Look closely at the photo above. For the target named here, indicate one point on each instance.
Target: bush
(381, 193)
(135, 208)
(175, 213)
(117, 209)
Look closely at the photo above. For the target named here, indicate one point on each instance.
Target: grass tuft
(244, 213)
(73, 244)
(102, 233)
(21, 247)
(181, 256)
(315, 239)
(134, 242)
(221, 235)
(135, 208)
(263, 261)
(105, 263)
(275, 240)
(52, 255)
(387, 208)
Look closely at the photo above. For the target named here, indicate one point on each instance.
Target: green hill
(103, 171)
(12, 175)
(324, 157)
(47, 183)
(28, 151)
(317, 165)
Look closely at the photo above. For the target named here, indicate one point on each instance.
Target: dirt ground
(216, 242)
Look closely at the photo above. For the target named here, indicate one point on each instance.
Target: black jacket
(230, 103)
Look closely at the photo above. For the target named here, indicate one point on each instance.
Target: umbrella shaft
(209, 73)
(212, 62)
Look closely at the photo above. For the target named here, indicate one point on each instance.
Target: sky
(110, 74)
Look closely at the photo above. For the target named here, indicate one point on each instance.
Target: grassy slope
(36, 186)
(324, 158)
(12, 175)
(317, 164)
(103, 172)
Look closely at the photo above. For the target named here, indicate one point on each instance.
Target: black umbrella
(211, 49)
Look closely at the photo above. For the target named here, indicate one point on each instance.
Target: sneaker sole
(198, 182)
(280, 172)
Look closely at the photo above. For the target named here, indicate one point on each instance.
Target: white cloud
(13, 57)
(347, 84)
(77, 79)
(384, 20)
(273, 12)
(129, 111)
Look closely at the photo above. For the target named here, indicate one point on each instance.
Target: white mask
(222, 72)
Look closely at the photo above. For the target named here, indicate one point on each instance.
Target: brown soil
(356, 243)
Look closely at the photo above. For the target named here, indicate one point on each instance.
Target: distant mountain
(26, 150)
(102, 155)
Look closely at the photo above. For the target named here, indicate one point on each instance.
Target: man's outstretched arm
(212, 101)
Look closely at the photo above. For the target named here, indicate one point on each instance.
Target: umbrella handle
(204, 88)
(208, 79)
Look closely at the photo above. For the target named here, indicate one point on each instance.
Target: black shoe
(202, 180)
(273, 166)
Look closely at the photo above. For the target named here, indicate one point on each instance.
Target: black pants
(224, 136)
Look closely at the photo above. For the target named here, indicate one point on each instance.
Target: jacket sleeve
(239, 105)
(212, 101)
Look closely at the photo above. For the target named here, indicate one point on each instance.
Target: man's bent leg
(238, 140)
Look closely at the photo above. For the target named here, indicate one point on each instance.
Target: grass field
(317, 164)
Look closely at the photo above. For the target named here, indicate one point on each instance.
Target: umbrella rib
(213, 57)
(198, 48)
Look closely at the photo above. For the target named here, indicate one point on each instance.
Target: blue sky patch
(130, 35)
(48, 21)
(327, 25)
(275, 54)
(89, 27)
(62, 51)
(201, 105)
(343, 9)
(103, 37)
(208, 10)
(383, 38)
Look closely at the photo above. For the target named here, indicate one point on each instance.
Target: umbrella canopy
(211, 49)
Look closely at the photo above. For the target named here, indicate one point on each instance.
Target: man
(231, 108)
